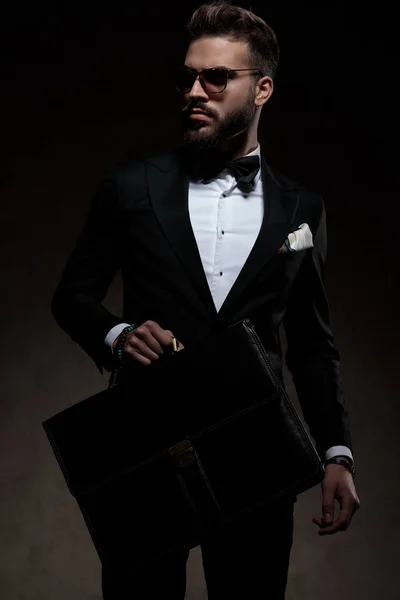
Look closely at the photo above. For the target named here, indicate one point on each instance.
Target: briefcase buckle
(182, 453)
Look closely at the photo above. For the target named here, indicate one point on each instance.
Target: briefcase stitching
(280, 387)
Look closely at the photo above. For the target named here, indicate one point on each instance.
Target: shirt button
(220, 272)
(222, 232)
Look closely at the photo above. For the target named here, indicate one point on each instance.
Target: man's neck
(240, 147)
(251, 149)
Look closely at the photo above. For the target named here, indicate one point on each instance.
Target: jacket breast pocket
(280, 272)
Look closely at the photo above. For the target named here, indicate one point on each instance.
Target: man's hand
(338, 483)
(147, 342)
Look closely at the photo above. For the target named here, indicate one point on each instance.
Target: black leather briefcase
(178, 450)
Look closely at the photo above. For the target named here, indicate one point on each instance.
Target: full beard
(222, 133)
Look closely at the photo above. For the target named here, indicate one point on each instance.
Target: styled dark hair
(220, 18)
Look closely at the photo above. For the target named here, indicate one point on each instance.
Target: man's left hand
(337, 484)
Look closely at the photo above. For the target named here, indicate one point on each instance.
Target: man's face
(224, 114)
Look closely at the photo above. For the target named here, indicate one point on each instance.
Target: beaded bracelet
(121, 341)
(119, 353)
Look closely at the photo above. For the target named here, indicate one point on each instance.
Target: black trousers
(249, 559)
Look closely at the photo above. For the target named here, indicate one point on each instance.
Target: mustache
(200, 106)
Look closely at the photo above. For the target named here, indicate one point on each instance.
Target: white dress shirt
(226, 224)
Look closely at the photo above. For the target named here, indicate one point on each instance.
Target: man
(197, 244)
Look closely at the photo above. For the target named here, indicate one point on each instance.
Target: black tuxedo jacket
(139, 222)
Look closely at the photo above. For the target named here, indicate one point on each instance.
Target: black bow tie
(209, 165)
(244, 170)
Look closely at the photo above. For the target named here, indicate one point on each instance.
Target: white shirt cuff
(338, 451)
(113, 334)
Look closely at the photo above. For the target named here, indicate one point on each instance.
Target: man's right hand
(147, 342)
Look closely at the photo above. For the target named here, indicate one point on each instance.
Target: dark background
(84, 86)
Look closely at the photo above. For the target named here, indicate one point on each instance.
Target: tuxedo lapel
(280, 207)
(168, 188)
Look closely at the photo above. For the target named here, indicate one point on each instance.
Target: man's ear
(264, 89)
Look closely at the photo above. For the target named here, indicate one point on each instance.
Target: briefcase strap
(195, 484)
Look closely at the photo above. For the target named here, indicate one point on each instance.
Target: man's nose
(197, 90)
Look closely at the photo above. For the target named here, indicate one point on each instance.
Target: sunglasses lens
(184, 80)
(215, 80)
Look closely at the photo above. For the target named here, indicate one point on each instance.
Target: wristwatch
(344, 462)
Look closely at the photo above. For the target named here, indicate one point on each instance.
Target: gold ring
(175, 344)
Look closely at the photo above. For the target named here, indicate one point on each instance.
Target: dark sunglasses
(213, 81)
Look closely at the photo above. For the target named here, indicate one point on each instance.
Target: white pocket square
(298, 240)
